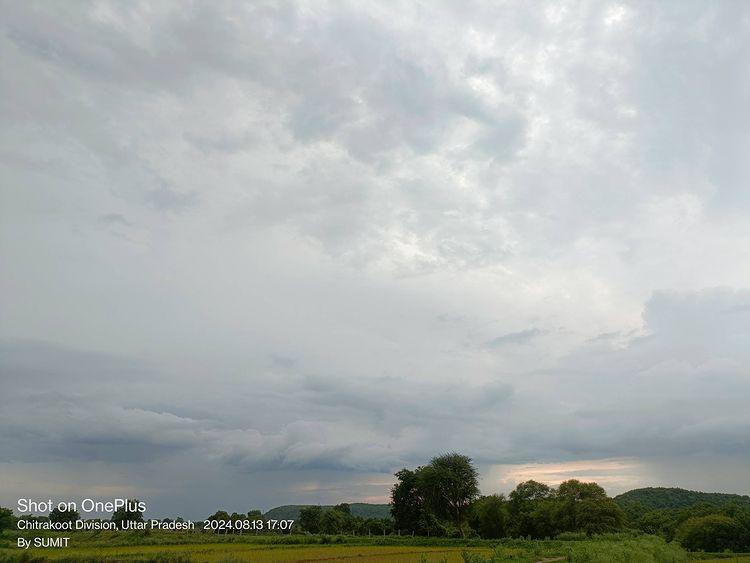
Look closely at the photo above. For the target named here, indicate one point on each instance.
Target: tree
(489, 516)
(125, 514)
(658, 522)
(333, 521)
(56, 515)
(714, 532)
(528, 492)
(309, 518)
(6, 518)
(220, 516)
(450, 485)
(407, 503)
(570, 494)
(576, 491)
(344, 508)
(599, 515)
(530, 507)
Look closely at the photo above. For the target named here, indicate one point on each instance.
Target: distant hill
(291, 511)
(652, 498)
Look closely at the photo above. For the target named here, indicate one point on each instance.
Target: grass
(170, 547)
(235, 553)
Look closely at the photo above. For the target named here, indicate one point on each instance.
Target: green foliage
(6, 518)
(334, 521)
(310, 519)
(441, 499)
(435, 499)
(408, 505)
(360, 509)
(596, 516)
(651, 498)
(489, 517)
(603, 549)
(124, 514)
(714, 532)
(696, 519)
(449, 484)
(57, 515)
(658, 522)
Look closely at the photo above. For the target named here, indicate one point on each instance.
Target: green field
(199, 547)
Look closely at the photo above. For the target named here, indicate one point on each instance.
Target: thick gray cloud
(296, 246)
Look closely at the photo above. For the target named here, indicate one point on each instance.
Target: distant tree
(407, 503)
(528, 492)
(450, 485)
(714, 532)
(124, 514)
(333, 521)
(599, 515)
(343, 508)
(254, 515)
(220, 516)
(488, 516)
(531, 510)
(58, 516)
(6, 519)
(309, 518)
(657, 522)
(576, 490)
(569, 495)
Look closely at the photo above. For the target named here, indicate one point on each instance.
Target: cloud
(520, 337)
(339, 240)
(114, 219)
(165, 199)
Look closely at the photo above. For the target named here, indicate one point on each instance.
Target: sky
(266, 253)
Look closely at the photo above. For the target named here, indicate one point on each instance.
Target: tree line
(339, 520)
(442, 499)
(703, 526)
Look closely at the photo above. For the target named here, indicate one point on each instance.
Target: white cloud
(338, 238)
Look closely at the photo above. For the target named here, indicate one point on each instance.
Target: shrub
(714, 532)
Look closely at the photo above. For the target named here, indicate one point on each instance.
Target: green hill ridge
(653, 498)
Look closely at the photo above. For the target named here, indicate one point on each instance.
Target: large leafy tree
(530, 506)
(527, 492)
(6, 518)
(334, 521)
(714, 532)
(407, 502)
(309, 518)
(450, 483)
(56, 515)
(597, 515)
(124, 514)
(571, 494)
(489, 517)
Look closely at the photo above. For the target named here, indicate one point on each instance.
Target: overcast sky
(265, 253)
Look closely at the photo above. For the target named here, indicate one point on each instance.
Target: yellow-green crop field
(225, 553)
(198, 548)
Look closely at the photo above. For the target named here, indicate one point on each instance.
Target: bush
(714, 532)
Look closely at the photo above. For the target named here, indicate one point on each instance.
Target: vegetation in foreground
(615, 547)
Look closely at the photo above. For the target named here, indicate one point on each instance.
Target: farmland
(199, 547)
